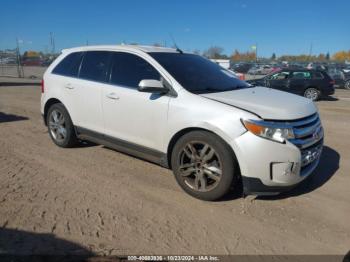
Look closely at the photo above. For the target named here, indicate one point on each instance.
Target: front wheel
(312, 94)
(204, 165)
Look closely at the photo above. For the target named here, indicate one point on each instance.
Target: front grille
(308, 134)
(307, 131)
(310, 154)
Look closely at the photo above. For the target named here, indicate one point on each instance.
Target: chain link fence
(11, 65)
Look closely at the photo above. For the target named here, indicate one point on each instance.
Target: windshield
(198, 74)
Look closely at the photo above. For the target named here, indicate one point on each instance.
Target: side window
(318, 75)
(69, 66)
(301, 75)
(95, 66)
(280, 76)
(128, 70)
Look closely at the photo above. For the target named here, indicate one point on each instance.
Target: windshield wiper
(207, 90)
(214, 90)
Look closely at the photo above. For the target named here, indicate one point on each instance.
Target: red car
(32, 62)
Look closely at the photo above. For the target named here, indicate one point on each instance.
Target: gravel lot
(93, 199)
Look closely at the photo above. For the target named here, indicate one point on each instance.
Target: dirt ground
(93, 199)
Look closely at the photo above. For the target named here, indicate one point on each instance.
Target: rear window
(318, 75)
(69, 66)
(95, 66)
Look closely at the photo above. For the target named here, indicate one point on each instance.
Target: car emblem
(317, 134)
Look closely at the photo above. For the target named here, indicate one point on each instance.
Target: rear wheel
(60, 126)
(204, 165)
(312, 93)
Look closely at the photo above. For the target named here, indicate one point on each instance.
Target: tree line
(216, 52)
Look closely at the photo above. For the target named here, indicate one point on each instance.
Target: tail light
(42, 86)
(332, 82)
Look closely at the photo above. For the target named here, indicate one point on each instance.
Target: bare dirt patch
(110, 203)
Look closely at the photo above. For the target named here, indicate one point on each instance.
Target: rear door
(63, 79)
(84, 92)
(299, 80)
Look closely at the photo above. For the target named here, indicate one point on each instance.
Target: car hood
(267, 103)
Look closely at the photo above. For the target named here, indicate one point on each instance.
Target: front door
(129, 115)
(278, 81)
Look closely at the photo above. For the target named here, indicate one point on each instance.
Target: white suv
(184, 112)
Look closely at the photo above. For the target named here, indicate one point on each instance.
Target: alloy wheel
(347, 85)
(200, 166)
(311, 94)
(57, 126)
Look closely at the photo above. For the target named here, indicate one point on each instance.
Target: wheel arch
(312, 86)
(47, 106)
(185, 131)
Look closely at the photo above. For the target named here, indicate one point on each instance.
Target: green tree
(327, 56)
(214, 52)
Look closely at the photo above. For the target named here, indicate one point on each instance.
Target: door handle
(69, 86)
(112, 96)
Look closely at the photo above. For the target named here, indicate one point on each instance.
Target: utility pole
(310, 51)
(52, 43)
(18, 56)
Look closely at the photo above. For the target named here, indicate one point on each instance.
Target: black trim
(254, 186)
(44, 120)
(139, 151)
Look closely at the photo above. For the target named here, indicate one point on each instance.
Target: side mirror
(152, 86)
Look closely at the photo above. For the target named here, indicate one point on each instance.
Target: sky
(276, 26)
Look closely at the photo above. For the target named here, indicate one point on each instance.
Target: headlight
(268, 130)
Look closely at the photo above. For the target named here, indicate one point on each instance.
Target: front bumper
(269, 167)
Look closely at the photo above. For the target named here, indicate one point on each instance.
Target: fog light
(285, 171)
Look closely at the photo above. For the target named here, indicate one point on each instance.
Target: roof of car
(144, 48)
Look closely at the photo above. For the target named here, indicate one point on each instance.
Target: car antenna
(177, 48)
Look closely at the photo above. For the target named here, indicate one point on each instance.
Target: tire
(347, 84)
(312, 93)
(204, 165)
(60, 126)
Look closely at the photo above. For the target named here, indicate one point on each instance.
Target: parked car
(338, 76)
(275, 69)
(312, 84)
(317, 66)
(346, 69)
(347, 84)
(184, 112)
(32, 62)
(260, 70)
(241, 67)
(8, 60)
